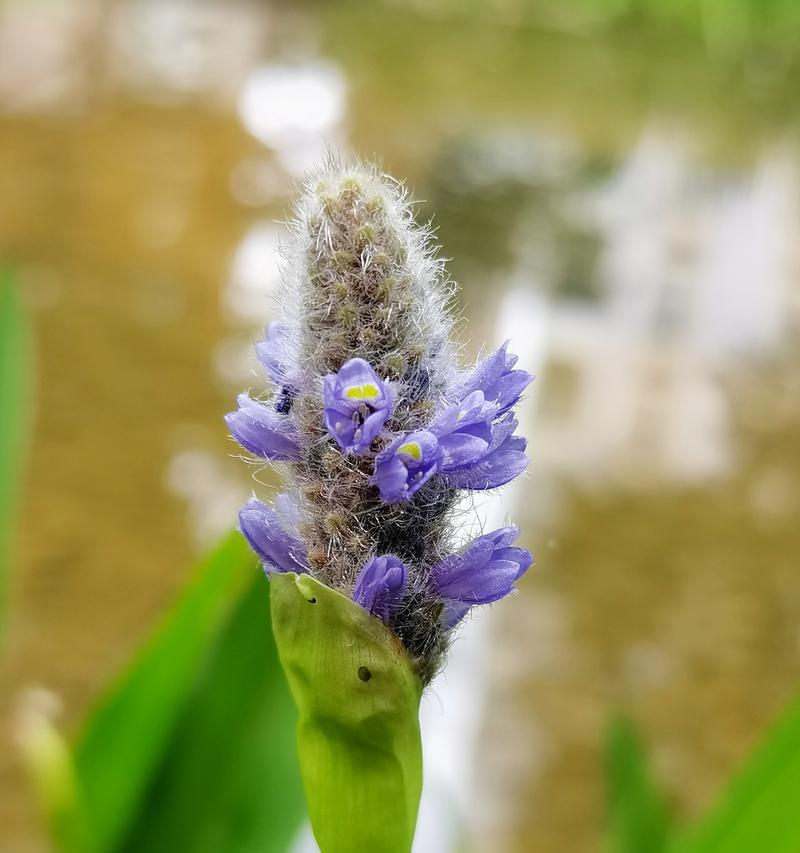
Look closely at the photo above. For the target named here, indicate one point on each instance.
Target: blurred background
(617, 185)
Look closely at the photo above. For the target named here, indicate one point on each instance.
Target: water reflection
(296, 110)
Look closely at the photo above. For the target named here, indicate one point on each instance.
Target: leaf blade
(758, 809)
(234, 751)
(637, 819)
(121, 743)
(14, 415)
(358, 733)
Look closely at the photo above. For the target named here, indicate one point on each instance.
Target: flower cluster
(378, 429)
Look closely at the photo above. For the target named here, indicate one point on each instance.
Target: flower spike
(379, 429)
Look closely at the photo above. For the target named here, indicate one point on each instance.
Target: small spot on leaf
(364, 674)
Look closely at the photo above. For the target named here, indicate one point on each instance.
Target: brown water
(642, 194)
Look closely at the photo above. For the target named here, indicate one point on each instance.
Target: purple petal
(278, 550)
(358, 374)
(500, 538)
(288, 512)
(272, 352)
(496, 582)
(486, 372)
(472, 410)
(357, 404)
(483, 573)
(508, 389)
(496, 378)
(380, 586)
(523, 558)
(495, 470)
(454, 612)
(262, 431)
(341, 426)
(391, 478)
(371, 428)
(458, 450)
(406, 465)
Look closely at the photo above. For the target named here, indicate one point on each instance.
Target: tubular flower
(380, 586)
(263, 431)
(503, 459)
(279, 549)
(406, 465)
(496, 378)
(467, 444)
(357, 405)
(274, 353)
(483, 573)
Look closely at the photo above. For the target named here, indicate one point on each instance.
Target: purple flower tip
(278, 549)
(484, 572)
(496, 378)
(406, 465)
(263, 431)
(503, 459)
(357, 404)
(272, 351)
(380, 585)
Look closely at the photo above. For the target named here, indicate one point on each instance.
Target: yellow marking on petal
(367, 391)
(412, 449)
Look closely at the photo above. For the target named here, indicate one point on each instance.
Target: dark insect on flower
(418, 381)
(375, 467)
(283, 402)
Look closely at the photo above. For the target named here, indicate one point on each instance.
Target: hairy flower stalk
(379, 432)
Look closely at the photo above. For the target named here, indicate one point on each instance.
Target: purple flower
(464, 431)
(357, 405)
(263, 431)
(278, 549)
(272, 352)
(465, 444)
(485, 572)
(496, 378)
(503, 459)
(406, 465)
(380, 585)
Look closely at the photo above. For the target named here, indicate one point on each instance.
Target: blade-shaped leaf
(637, 820)
(123, 743)
(358, 735)
(758, 813)
(14, 403)
(229, 780)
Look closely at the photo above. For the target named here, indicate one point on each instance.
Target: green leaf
(229, 780)
(759, 811)
(358, 732)
(636, 815)
(14, 404)
(124, 741)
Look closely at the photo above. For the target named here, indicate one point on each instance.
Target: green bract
(358, 731)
